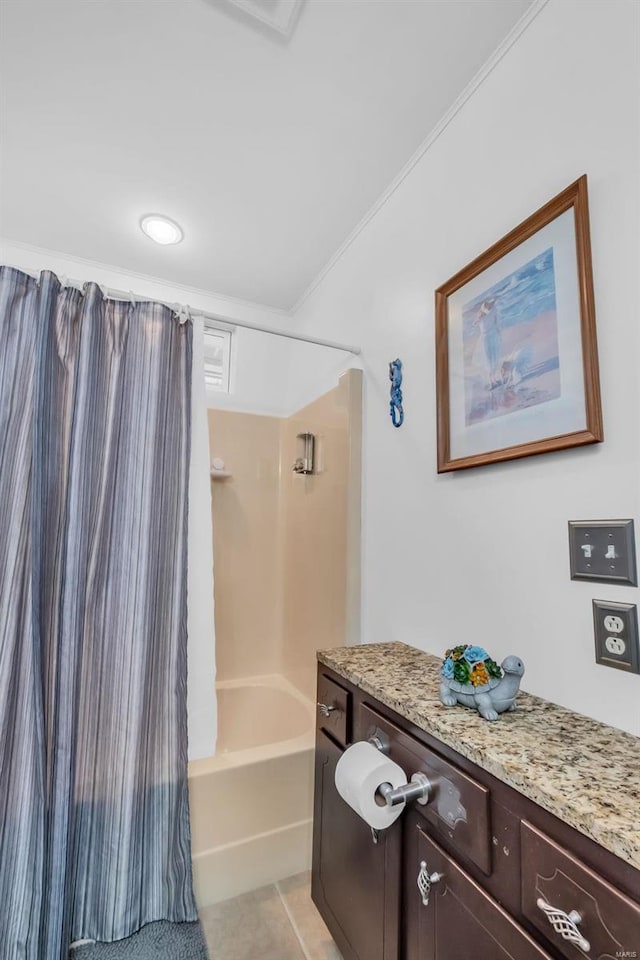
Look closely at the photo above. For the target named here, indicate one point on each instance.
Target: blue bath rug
(155, 941)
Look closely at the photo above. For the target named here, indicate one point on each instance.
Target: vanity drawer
(336, 719)
(458, 809)
(609, 921)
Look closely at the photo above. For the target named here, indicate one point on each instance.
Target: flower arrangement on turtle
(471, 677)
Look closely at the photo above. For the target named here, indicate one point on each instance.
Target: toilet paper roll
(359, 772)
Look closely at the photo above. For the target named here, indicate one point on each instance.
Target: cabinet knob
(566, 924)
(325, 709)
(425, 882)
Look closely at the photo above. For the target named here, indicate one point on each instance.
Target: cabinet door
(609, 922)
(460, 920)
(355, 881)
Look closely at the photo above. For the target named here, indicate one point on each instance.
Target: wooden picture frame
(516, 349)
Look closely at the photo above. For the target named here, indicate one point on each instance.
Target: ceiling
(267, 146)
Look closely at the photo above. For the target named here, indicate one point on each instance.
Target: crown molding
(281, 17)
(515, 33)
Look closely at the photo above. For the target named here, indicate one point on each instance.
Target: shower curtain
(95, 399)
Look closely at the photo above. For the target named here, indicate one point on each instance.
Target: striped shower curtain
(94, 463)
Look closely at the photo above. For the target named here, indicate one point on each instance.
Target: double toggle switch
(603, 550)
(589, 551)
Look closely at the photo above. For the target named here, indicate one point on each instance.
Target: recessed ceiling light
(161, 229)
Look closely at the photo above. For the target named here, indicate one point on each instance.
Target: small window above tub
(217, 357)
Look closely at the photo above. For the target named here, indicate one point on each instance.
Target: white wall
(482, 555)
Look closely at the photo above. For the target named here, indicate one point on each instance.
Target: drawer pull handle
(566, 924)
(326, 710)
(426, 881)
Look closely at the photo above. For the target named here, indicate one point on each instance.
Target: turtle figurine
(469, 676)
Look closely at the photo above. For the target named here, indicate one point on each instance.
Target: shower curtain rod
(114, 294)
(303, 338)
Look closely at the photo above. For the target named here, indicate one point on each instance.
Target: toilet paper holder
(418, 788)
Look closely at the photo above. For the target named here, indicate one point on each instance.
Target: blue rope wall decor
(395, 406)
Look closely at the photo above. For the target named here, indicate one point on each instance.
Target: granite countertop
(584, 772)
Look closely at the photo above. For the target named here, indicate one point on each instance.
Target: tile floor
(278, 922)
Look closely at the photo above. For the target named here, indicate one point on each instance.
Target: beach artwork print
(510, 343)
(516, 348)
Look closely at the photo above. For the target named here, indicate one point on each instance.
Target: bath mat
(155, 941)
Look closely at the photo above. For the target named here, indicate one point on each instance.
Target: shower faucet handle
(326, 710)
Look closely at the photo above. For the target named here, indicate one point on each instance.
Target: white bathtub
(262, 712)
(251, 804)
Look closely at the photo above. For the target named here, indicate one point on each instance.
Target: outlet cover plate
(603, 550)
(616, 633)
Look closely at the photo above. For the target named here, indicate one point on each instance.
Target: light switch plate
(603, 550)
(616, 633)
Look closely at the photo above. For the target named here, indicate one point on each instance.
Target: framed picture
(516, 350)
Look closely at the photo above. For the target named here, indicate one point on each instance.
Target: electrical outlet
(616, 645)
(616, 634)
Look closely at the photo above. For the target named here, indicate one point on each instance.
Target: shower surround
(286, 556)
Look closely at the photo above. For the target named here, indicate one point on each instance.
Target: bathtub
(251, 804)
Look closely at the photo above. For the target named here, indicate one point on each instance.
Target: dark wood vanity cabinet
(356, 882)
(498, 864)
